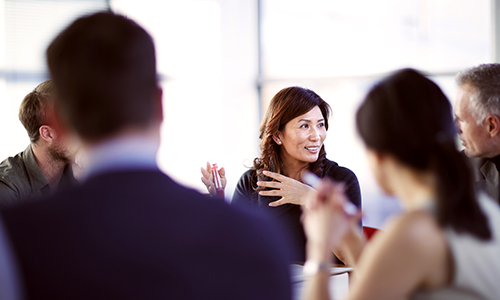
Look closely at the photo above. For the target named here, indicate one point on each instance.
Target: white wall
(208, 54)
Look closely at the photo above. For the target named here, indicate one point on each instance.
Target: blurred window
(217, 58)
(341, 48)
(26, 29)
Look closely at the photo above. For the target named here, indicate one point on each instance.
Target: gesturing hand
(208, 179)
(290, 190)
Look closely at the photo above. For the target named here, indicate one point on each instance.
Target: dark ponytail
(457, 206)
(408, 116)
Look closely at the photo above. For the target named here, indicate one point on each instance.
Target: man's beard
(58, 153)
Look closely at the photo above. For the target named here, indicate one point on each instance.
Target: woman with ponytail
(292, 134)
(446, 243)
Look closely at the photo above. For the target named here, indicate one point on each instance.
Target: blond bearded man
(45, 164)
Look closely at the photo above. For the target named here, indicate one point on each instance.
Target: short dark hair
(104, 68)
(485, 101)
(33, 109)
(408, 116)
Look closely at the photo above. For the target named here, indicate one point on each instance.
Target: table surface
(338, 283)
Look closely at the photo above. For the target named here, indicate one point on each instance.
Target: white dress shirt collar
(131, 152)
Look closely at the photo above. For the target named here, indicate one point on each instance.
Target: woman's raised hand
(290, 190)
(208, 179)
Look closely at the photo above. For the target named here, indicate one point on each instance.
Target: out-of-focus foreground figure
(445, 244)
(129, 231)
(10, 287)
(45, 164)
(477, 115)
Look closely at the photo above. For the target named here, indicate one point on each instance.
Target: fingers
(325, 190)
(269, 184)
(208, 177)
(271, 193)
(276, 176)
(330, 194)
(278, 203)
(205, 174)
(208, 183)
(222, 174)
(208, 171)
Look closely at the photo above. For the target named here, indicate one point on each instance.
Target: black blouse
(288, 215)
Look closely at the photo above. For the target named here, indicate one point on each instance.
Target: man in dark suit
(129, 231)
(477, 115)
(9, 281)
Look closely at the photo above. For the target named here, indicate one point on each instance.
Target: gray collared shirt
(21, 178)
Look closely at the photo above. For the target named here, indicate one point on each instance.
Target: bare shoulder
(410, 254)
(419, 235)
(414, 227)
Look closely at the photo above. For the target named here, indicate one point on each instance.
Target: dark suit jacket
(139, 235)
(486, 177)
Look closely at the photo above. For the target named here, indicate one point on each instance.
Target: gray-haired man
(477, 112)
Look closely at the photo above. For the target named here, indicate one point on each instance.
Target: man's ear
(47, 133)
(492, 125)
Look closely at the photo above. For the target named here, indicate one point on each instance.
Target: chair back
(368, 232)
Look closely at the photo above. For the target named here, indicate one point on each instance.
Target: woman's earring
(279, 142)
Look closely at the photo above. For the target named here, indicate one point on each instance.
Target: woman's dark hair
(409, 117)
(286, 105)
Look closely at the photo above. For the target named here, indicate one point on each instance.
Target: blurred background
(221, 61)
